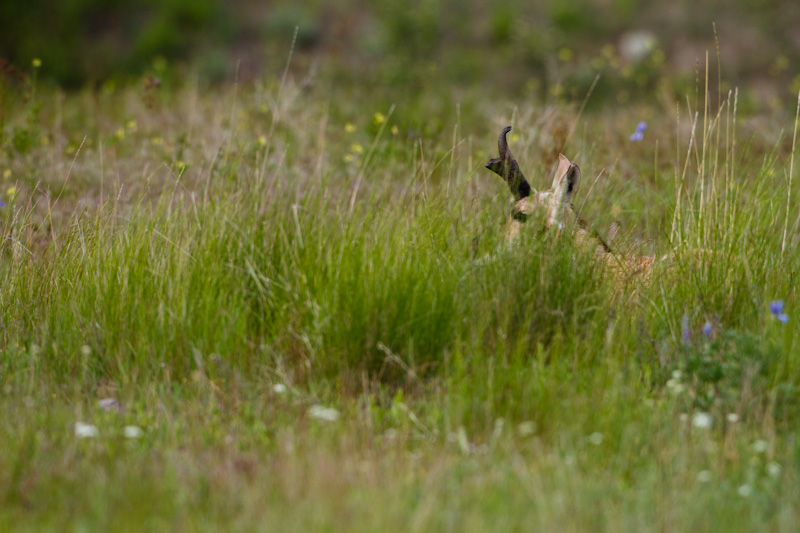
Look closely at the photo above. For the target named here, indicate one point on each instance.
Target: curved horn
(507, 168)
(502, 144)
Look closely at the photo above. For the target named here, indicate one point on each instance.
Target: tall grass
(367, 270)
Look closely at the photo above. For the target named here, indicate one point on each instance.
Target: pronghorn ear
(566, 179)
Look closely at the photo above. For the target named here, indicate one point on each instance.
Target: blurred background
(546, 49)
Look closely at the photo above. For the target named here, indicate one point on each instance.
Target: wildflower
(702, 420)
(745, 490)
(760, 446)
(395, 130)
(36, 62)
(11, 191)
(132, 432)
(279, 388)
(703, 476)
(109, 404)
(356, 148)
(119, 134)
(776, 308)
(685, 335)
(160, 63)
(7, 173)
(638, 135)
(2, 203)
(708, 329)
(596, 438)
(674, 384)
(262, 140)
(181, 165)
(379, 118)
(84, 431)
(329, 414)
(526, 428)
(773, 469)
(565, 54)
(131, 125)
(157, 141)
(348, 158)
(732, 418)
(349, 127)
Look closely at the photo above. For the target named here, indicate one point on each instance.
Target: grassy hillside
(290, 305)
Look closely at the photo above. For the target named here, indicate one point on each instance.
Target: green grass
(220, 262)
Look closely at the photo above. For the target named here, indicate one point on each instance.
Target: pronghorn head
(555, 204)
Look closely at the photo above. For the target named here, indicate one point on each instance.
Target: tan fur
(553, 208)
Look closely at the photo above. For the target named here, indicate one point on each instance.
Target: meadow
(289, 305)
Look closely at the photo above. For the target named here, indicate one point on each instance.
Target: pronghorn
(555, 207)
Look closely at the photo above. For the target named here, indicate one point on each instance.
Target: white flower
(279, 388)
(526, 428)
(84, 431)
(675, 386)
(732, 418)
(702, 420)
(132, 432)
(328, 414)
(760, 446)
(596, 438)
(773, 469)
(703, 476)
(745, 490)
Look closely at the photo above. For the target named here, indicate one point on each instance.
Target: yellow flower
(514, 137)
(262, 140)
(658, 57)
(379, 118)
(7, 173)
(119, 134)
(131, 125)
(37, 62)
(356, 148)
(565, 54)
(181, 165)
(157, 141)
(395, 130)
(627, 71)
(349, 127)
(348, 158)
(11, 192)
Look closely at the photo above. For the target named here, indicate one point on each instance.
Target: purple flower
(685, 335)
(638, 135)
(2, 203)
(708, 329)
(776, 308)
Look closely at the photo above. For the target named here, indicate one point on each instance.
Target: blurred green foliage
(554, 49)
(80, 40)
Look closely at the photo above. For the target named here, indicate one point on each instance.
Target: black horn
(507, 168)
